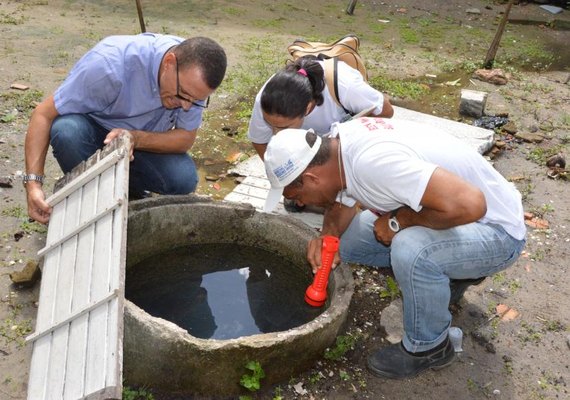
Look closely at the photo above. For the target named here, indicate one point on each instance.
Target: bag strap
(331, 79)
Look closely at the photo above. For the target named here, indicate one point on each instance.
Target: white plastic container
(456, 337)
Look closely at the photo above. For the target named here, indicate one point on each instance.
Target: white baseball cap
(287, 155)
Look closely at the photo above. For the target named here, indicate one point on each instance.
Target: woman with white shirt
(298, 97)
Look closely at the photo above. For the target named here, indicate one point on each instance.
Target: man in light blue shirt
(149, 86)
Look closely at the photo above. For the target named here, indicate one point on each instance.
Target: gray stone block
(472, 103)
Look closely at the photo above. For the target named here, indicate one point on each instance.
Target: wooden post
(490, 58)
(141, 18)
(350, 7)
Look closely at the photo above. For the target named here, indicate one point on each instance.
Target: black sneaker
(396, 363)
(459, 286)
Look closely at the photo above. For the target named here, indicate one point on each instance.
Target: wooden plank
(77, 345)
(80, 227)
(37, 384)
(85, 177)
(97, 346)
(77, 313)
(117, 280)
(75, 379)
(62, 305)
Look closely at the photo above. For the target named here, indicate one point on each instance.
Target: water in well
(222, 291)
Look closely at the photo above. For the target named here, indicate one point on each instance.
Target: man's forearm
(337, 218)
(37, 137)
(174, 141)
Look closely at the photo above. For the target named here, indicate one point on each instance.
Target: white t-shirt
(354, 93)
(388, 164)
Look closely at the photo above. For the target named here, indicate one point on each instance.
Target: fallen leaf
(453, 83)
(528, 215)
(232, 158)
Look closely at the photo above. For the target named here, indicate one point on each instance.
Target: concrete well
(161, 355)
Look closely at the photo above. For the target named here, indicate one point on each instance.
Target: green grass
(408, 34)
(342, 345)
(25, 224)
(10, 19)
(136, 394)
(399, 88)
(244, 80)
(525, 53)
(23, 101)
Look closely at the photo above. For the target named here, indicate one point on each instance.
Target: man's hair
(322, 156)
(289, 91)
(205, 53)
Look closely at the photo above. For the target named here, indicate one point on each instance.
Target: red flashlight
(316, 293)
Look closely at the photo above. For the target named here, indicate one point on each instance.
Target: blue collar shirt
(116, 83)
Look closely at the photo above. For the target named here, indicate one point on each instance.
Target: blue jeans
(75, 137)
(423, 261)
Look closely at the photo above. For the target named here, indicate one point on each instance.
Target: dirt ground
(524, 354)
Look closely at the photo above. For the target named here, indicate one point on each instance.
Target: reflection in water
(222, 291)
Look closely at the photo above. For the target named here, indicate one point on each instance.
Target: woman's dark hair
(208, 55)
(289, 91)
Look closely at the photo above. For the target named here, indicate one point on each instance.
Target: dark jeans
(76, 137)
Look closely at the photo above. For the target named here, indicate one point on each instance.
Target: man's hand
(382, 231)
(118, 132)
(38, 209)
(314, 254)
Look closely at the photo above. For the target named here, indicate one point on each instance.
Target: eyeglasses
(197, 103)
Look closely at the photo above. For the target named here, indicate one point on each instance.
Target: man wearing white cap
(435, 211)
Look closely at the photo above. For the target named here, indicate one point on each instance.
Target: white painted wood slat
(77, 344)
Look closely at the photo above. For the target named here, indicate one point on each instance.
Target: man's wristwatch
(393, 223)
(33, 177)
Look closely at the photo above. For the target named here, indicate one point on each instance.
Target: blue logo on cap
(284, 170)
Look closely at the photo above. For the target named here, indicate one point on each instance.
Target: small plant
(499, 278)
(343, 375)
(136, 394)
(277, 395)
(342, 345)
(529, 334)
(514, 286)
(315, 377)
(252, 382)
(392, 291)
(508, 364)
(554, 326)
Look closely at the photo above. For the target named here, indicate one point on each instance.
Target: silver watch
(33, 177)
(393, 223)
